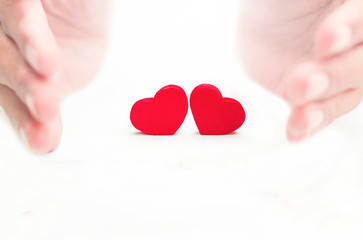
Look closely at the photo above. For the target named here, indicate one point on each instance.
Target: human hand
(309, 53)
(49, 48)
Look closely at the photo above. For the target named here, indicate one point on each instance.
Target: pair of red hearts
(165, 113)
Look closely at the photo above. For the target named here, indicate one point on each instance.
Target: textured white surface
(106, 181)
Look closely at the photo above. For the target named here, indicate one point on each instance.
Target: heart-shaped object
(163, 114)
(213, 114)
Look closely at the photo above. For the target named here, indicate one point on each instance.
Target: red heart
(213, 114)
(163, 114)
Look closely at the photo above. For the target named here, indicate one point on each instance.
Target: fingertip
(296, 126)
(323, 41)
(38, 45)
(49, 60)
(307, 83)
(296, 89)
(297, 85)
(341, 29)
(45, 61)
(341, 41)
(332, 40)
(295, 137)
(304, 122)
(44, 107)
(47, 107)
(41, 138)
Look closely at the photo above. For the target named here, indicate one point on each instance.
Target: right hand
(48, 50)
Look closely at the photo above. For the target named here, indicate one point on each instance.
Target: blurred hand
(48, 48)
(308, 52)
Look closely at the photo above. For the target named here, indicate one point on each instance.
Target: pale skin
(307, 52)
(48, 50)
(310, 53)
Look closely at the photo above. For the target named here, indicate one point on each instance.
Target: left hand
(310, 54)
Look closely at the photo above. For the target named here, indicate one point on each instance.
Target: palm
(277, 35)
(80, 31)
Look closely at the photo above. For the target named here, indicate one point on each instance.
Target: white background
(106, 181)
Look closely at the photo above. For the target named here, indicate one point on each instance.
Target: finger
(26, 23)
(39, 137)
(324, 78)
(341, 30)
(42, 97)
(306, 120)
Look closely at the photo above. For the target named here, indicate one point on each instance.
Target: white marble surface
(108, 182)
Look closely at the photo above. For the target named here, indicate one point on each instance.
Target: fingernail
(31, 56)
(317, 85)
(297, 135)
(315, 120)
(30, 103)
(342, 41)
(53, 135)
(23, 137)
